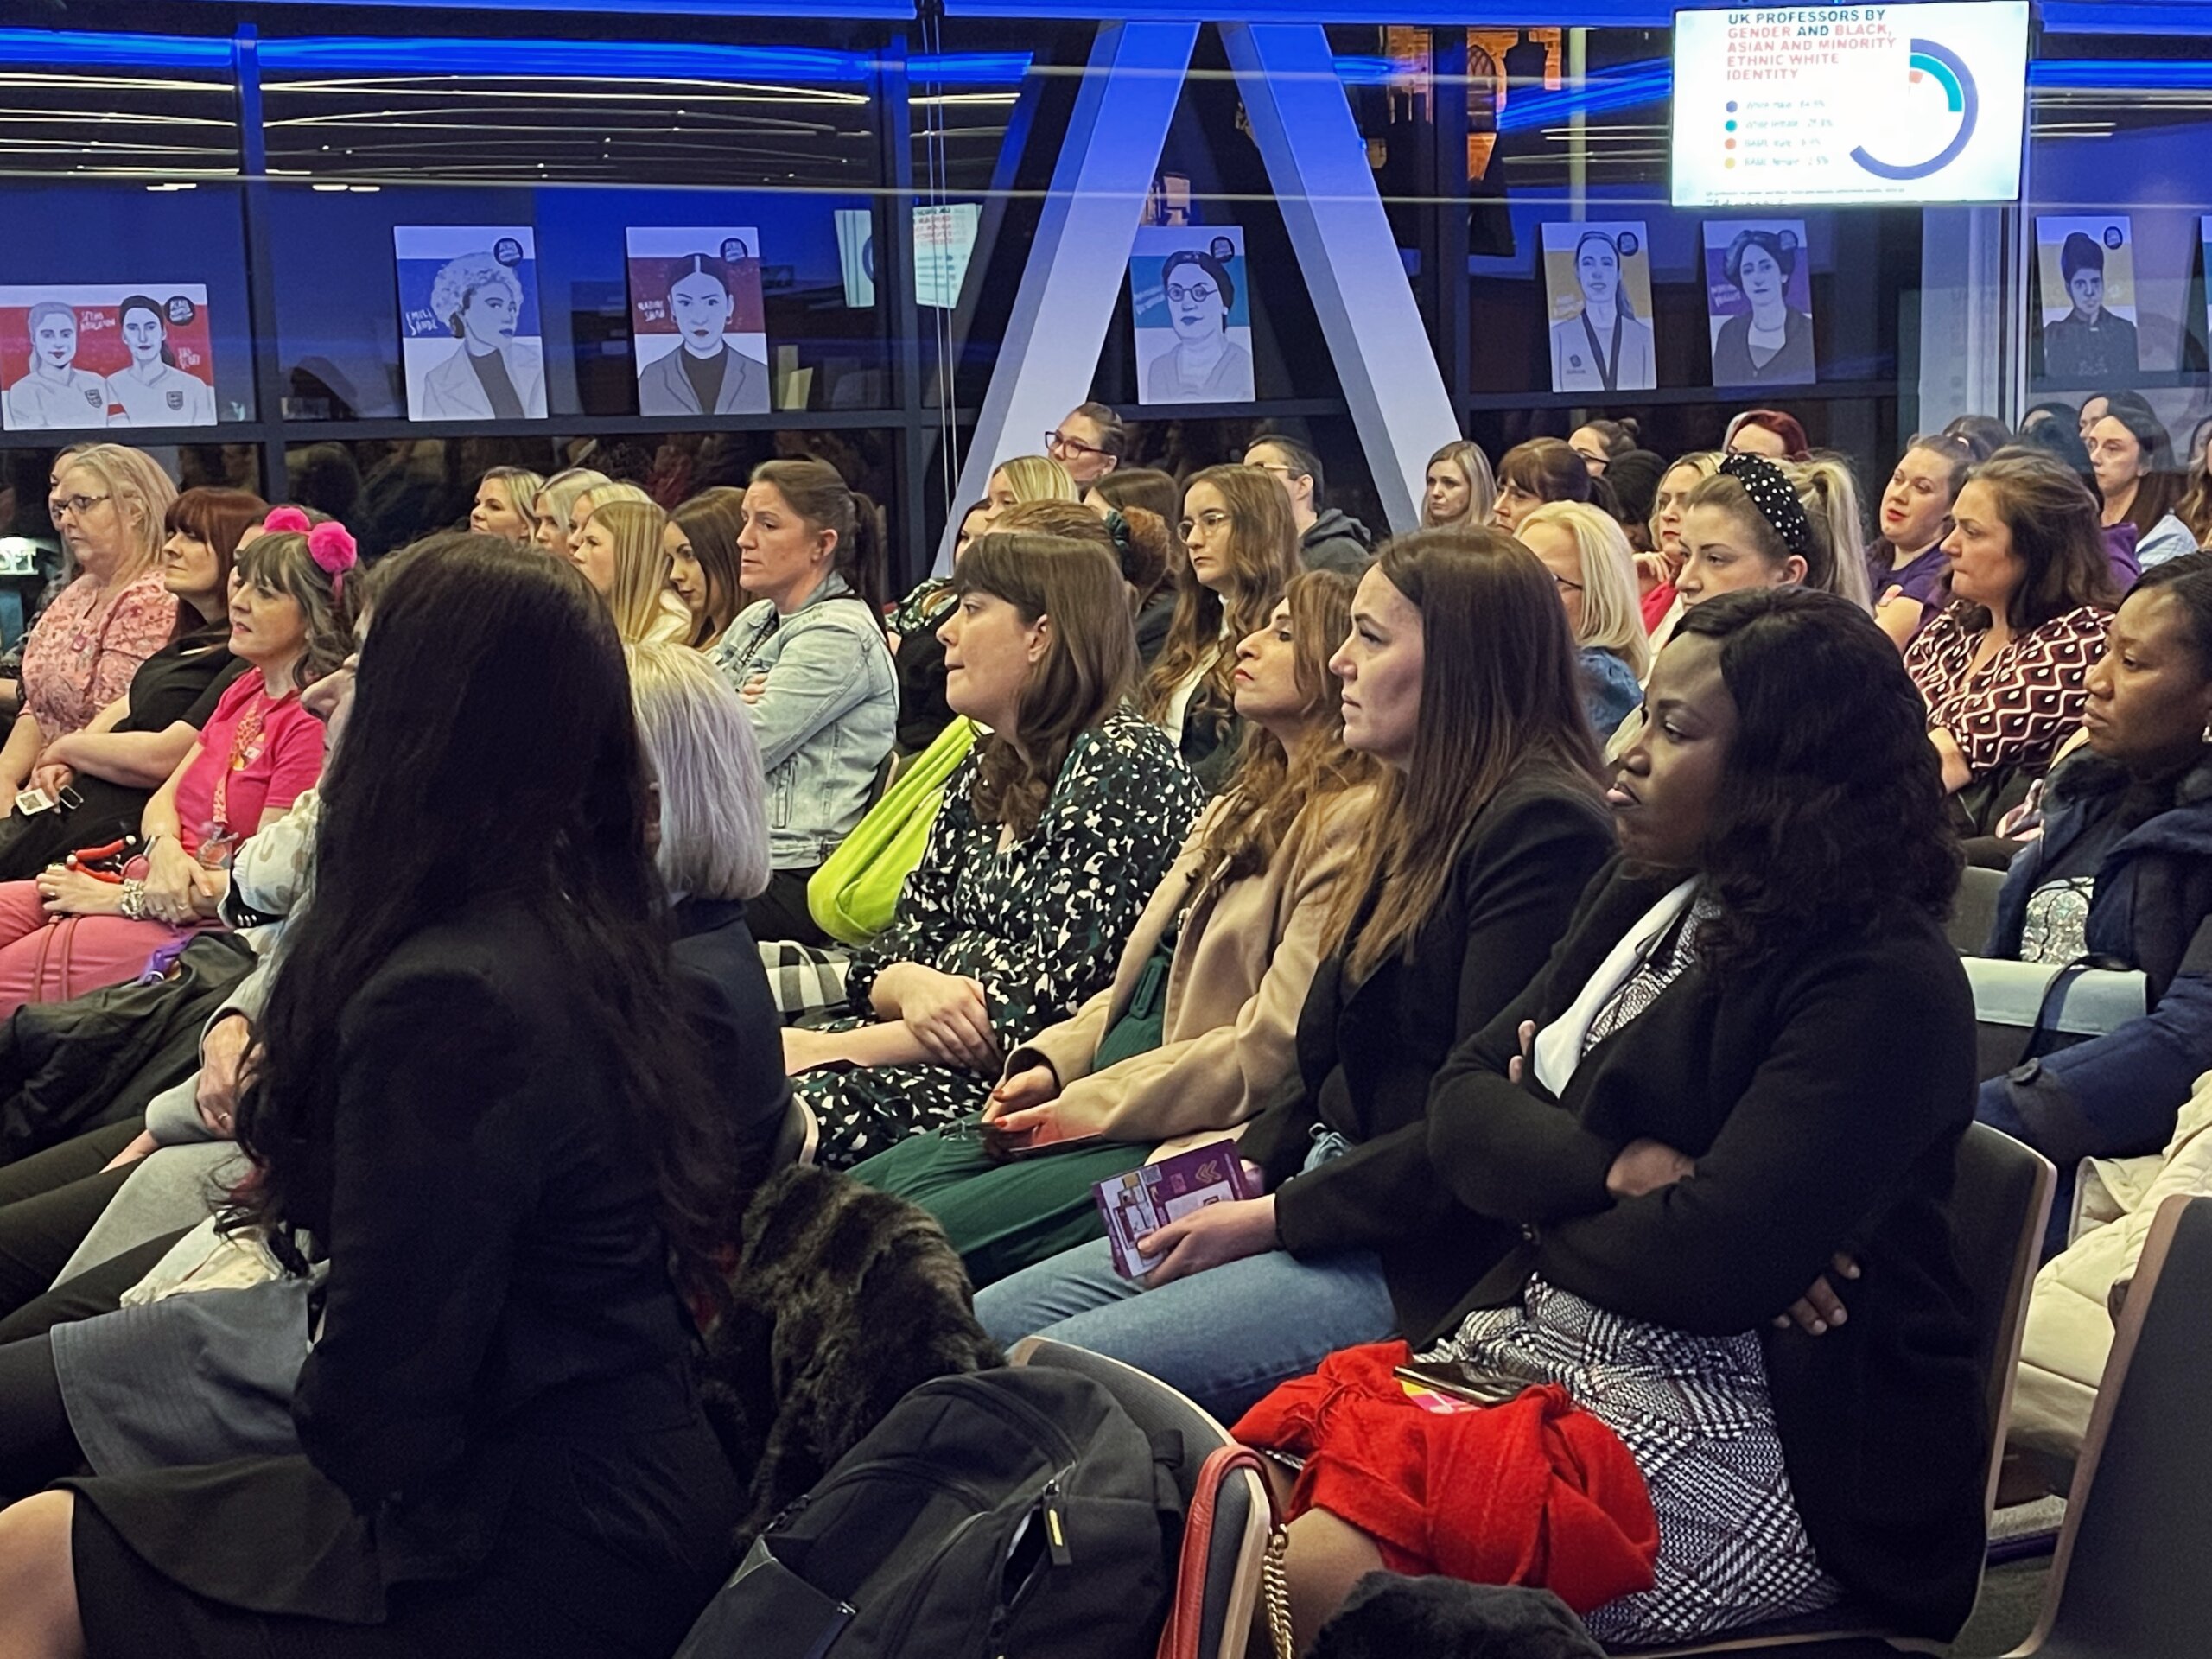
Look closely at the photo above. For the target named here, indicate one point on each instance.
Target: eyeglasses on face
(1199, 295)
(1565, 586)
(62, 506)
(1209, 521)
(1057, 442)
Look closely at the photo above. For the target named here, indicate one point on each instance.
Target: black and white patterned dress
(1694, 1412)
(1041, 924)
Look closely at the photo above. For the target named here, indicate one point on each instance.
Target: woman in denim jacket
(810, 658)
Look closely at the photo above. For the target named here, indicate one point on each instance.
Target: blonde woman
(1028, 478)
(619, 551)
(1657, 571)
(109, 506)
(502, 504)
(1594, 569)
(552, 512)
(1459, 487)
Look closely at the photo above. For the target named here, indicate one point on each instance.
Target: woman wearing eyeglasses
(1088, 442)
(108, 503)
(1205, 365)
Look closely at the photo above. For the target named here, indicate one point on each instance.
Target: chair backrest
(2001, 1203)
(1974, 910)
(796, 1138)
(2139, 1527)
(1242, 1514)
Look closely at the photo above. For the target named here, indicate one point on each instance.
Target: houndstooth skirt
(1695, 1414)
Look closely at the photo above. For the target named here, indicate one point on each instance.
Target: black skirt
(595, 1547)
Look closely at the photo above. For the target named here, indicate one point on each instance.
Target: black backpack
(1009, 1512)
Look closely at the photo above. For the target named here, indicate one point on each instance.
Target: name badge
(92, 396)
(175, 399)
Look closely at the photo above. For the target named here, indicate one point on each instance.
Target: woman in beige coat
(1198, 1029)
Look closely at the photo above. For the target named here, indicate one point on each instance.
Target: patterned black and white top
(1694, 1412)
(1041, 925)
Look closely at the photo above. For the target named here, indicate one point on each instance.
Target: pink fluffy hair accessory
(332, 547)
(285, 519)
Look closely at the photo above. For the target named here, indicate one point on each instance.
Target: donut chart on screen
(1933, 61)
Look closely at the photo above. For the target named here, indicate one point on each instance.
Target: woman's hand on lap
(1210, 1237)
(949, 1017)
(1027, 1089)
(172, 882)
(72, 892)
(1819, 1310)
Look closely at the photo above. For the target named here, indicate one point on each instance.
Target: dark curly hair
(1831, 806)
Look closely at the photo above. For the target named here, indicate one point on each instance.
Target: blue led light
(2117, 75)
(1621, 88)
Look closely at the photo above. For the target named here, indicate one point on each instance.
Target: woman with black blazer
(1702, 1106)
(1460, 675)
(475, 1096)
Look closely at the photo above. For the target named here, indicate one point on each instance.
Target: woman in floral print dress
(1053, 836)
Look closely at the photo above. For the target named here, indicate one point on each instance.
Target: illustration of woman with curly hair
(491, 375)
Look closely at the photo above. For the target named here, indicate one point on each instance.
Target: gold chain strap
(1274, 1586)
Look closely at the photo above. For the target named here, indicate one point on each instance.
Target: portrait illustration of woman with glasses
(1204, 365)
(54, 392)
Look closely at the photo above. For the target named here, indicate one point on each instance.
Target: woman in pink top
(291, 620)
(108, 503)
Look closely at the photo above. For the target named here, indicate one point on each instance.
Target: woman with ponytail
(810, 658)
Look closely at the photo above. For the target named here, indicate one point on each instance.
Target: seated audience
(109, 504)
(100, 776)
(1657, 569)
(2001, 668)
(1458, 487)
(1769, 432)
(1137, 486)
(552, 513)
(1051, 833)
(1762, 523)
(810, 658)
(1196, 1030)
(1600, 443)
(2122, 874)
(1459, 678)
(2133, 460)
(1327, 539)
(1028, 478)
(1634, 481)
(1089, 442)
(2194, 507)
(505, 976)
(1906, 567)
(1595, 572)
(700, 542)
(1982, 435)
(1535, 473)
(1676, 1129)
(502, 506)
(621, 549)
(1242, 548)
(291, 623)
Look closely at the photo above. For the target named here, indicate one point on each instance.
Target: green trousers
(1001, 1216)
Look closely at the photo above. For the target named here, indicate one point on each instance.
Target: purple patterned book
(1146, 1199)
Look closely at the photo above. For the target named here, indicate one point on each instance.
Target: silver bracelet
(134, 902)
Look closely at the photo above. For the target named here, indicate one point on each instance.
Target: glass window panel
(64, 121)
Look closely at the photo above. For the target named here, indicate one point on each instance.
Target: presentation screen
(1837, 106)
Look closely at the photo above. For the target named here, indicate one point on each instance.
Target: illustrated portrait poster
(697, 325)
(1758, 301)
(2085, 299)
(1597, 279)
(1191, 303)
(76, 355)
(470, 339)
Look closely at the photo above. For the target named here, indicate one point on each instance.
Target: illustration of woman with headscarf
(1772, 343)
(1205, 365)
(491, 375)
(706, 374)
(2089, 346)
(150, 388)
(1606, 347)
(53, 391)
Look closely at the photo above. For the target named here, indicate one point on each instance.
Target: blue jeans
(1224, 1336)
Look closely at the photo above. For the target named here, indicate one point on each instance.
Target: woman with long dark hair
(502, 1450)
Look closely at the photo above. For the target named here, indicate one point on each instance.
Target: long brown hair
(1274, 787)
(710, 523)
(1500, 700)
(1263, 557)
(1088, 665)
(2055, 523)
